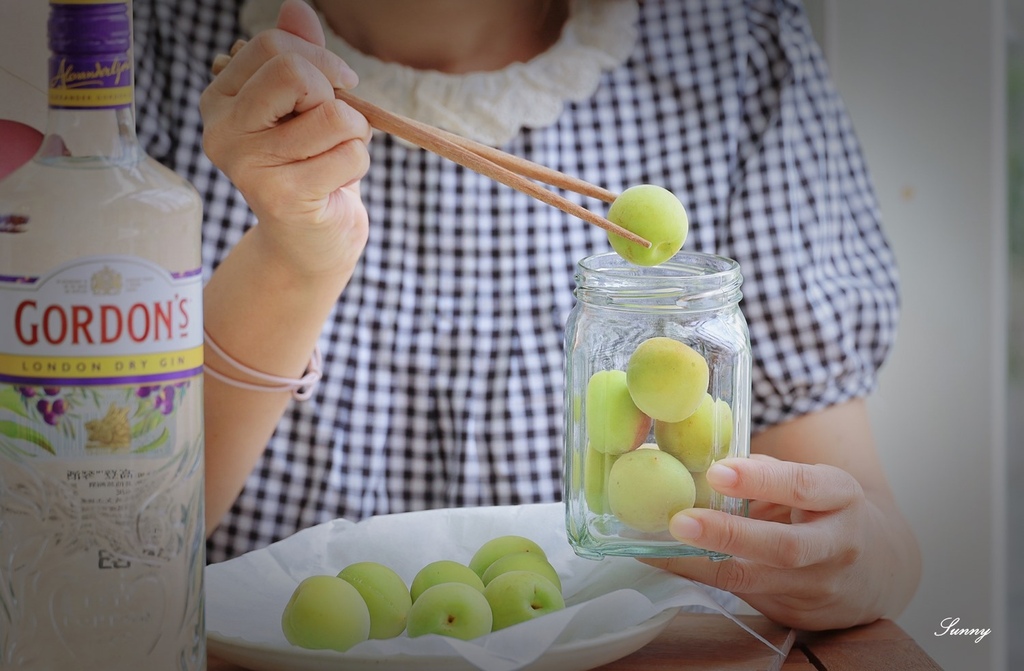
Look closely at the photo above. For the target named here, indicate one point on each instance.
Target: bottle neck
(91, 84)
(101, 136)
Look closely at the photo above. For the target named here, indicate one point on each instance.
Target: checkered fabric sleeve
(443, 358)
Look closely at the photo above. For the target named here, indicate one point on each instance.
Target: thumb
(298, 18)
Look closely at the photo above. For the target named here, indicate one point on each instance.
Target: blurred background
(1015, 326)
(936, 92)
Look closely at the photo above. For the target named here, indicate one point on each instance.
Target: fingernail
(347, 77)
(722, 475)
(684, 527)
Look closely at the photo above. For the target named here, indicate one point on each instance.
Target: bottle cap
(90, 61)
(89, 27)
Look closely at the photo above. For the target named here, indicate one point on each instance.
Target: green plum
(518, 596)
(522, 561)
(647, 487)
(497, 548)
(655, 214)
(442, 571)
(614, 423)
(699, 439)
(703, 492)
(667, 379)
(385, 594)
(452, 609)
(325, 613)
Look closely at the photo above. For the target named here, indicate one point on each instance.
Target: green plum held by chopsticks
(655, 214)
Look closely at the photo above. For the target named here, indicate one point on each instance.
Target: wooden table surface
(695, 641)
(709, 641)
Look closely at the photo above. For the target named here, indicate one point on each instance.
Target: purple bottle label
(99, 82)
(90, 66)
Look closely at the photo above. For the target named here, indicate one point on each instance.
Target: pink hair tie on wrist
(301, 388)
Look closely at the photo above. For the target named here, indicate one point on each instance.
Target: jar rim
(689, 279)
(684, 264)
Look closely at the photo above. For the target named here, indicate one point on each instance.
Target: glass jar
(657, 387)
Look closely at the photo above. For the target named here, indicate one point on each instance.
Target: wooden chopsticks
(500, 166)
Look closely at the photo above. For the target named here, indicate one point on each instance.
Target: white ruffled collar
(491, 107)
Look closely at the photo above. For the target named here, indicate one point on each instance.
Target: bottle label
(90, 82)
(97, 356)
(101, 321)
(101, 465)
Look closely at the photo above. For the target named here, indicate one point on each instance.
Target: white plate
(613, 607)
(578, 655)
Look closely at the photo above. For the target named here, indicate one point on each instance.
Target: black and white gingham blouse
(443, 358)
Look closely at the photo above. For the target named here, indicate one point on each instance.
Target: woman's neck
(454, 36)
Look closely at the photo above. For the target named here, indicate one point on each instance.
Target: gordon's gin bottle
(101, 388)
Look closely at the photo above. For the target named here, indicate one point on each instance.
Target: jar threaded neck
(688, 281)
